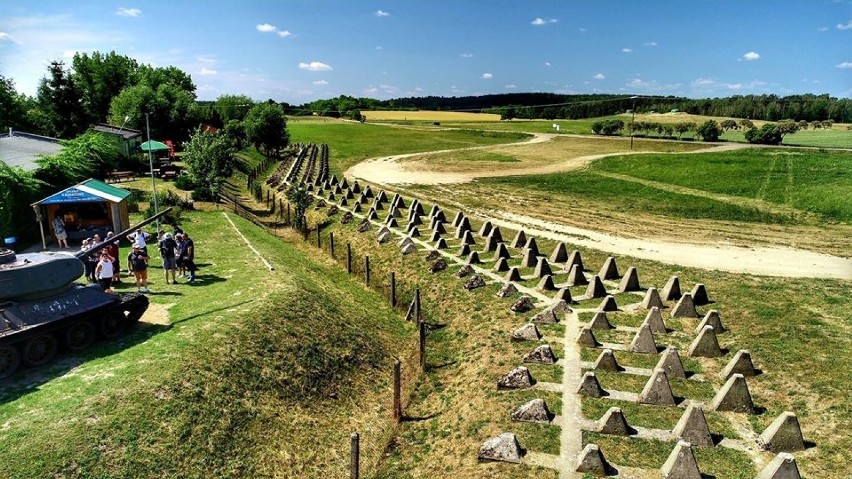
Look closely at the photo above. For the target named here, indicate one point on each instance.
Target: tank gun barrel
(103, 244)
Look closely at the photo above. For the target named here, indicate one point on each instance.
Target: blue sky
(301, 50)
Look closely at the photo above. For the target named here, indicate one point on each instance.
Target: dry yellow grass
(681, 117)
(428, 115)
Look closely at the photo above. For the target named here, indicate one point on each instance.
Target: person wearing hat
(167, 252)
(137, 261)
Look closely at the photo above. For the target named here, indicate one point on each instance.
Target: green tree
(300, 199)
(709, 131)
(171, 110)
(235, 130)
(728, 125)
(209, 159)
(13, 107)
(18, 188)
(682, 128)
(787, 127)
(98, 78)
(607, 127)
(89, 155)
(746, 124)
(266, 128)
(768, 134)
(233, 107)
(60, 104)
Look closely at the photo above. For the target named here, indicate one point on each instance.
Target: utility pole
(151, 166)
(633, 119)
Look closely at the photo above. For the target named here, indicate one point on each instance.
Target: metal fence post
(422, 327)
(397, 390)
(354, 456)
(349, 257)
(367, 270)
(331, 242)
(393, 289)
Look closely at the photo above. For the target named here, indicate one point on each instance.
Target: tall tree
(709, 131)
(60, 104)
(266, 127)
(210, 160)
(233, 107)
(98, 78)
(18, 188)
(13, 107)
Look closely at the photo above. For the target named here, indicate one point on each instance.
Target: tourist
(167, 252)
(88, 260)
(59, 230)
(103, 271)
(187, 254)
(137, 261)
(114, 252)
(140, 238)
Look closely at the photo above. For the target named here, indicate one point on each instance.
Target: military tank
(42, 308)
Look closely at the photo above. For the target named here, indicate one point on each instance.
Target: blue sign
(71, 195)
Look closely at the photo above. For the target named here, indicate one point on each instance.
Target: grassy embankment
(248, 373)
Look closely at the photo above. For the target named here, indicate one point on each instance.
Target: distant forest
(808, 107)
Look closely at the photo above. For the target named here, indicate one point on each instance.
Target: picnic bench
(119, 176)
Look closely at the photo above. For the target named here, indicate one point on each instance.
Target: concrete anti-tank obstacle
(485, 229)
(529, 259)
(503, 448)
(520, 240)
(671, 291)
(712, 318)
(413, 231)
(501, 266)
(464, 271)
(415, 220)
(684, 308)
(542, 354)
(652, 299)
(608, 304)
(591, 461)
(490, 245)
(467, 238)
(343, 183)
(502, 252)
(434, 210)
(392, 222)
(350, 195)
(705, 345)
(364, 226)
(574, 258)
(532, 246)
(347, 218)
(657, 390)
(681, 463)
(439, 264)
(670, 363)
(514, 274)
(655, 321)
(576, 277)
(457, 219)
(560, 253)
(527, 332)
(587, 339)
(564, 294)
(384, 237)
(600, 321)
(473, 258)
(547, 316)
(596, 288)
(734, 396)
(435, 236)
(439, 228)
(383, 229)
(368, 192)
(372, 215)
(474, 282)
(394, 211)
(606, 362)
(559, 306)
(630, 281)
(405, 241)
(441, 216)
(441, 244)
(462, 228)
(783, 466)
(357, 208)
(699, 295)
(692, 427)
(590, 387)
(356, 187)
(783, 435)
(464, 250)
(609, 270)
(381, 195)
(533, 411)
(546, 283)
(741, 363)
(517, 378)
(343, 202)
(614, 422)
(643, 341)
(409, 248)
(495, 232)
(522, 305)
(419, 208)
(507, 290)
(432, 255)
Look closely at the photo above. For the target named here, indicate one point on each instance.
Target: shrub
(709, 131)
(607, 127)
(184, 182)
(203, 193)
(768, 134)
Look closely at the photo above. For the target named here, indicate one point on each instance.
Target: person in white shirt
(104, 272)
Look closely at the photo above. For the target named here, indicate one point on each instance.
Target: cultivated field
(429, 115)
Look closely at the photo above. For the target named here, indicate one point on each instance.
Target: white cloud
(547, 64)
(703, 82)
(5, 37)
(599, 76)
(128, 12)
(206, 60)
(822, 29)
(371, 90)
(543, 21)
(650, 44)
(266, 28)
(315, 67)
(627, 50)
(583, 30)
(467, 55)
(751, 56)
(511, 87)
(68, 53)
(487, 76)
(379, 47)
(208, 72)
(284, 33)
(733, 86)
(845, 26)
(320, 82)
(381, 13)
(844, 65)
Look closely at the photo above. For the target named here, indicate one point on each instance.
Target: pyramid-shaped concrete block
(382, 230)
(507, 290)
(532, 245)
(503, 448)
(435, 236)
(783, 466)
(356, 187)
(357, 208)
(606, 362)
(574, 259)
(441, 244)
(564, 294)
(734, 396)
(560, 253)
(527, 332)
(596, 288)
(589, 386)
(514, 274)
(655, 321)
(546, 316)
(671, 291)
(438, 227)
(533, 411)
(372, 215)
(712, 318)
(609, 270)
(413, 232)
(681, 463)
(559, 306)
(576, 277)
(432, 255)
(670, 363)
(546, 284)
(699, 295)
(464, 250)
(441, 216)
(741, 363)
(419, 208)
(394, 212)
(474, 282)
(614, 422)
(692, 427)
(520, 240)
(501, 266)
(496, 234)
(684, 308)
(409, 249)
(657, 390)
(465, 271)
(405, 241)
(439, 264)
(608, 304)
(392, 222)
(643, 341)
(600, 321)
(541, 355)
(473, 258)
(467, 238)
(384, 237)
(331, 197)
(591, 461)
(343, 201)
(630, 281)
(502, 252)
(705, 345)
(415, 220)
(457, 219)
(434, 210)
(485, 229)
(368, 192)
(490, 245)
(518, 378)
(463, 228)
(587, 339)
(783, 435)
(529, 259)
(522, 305)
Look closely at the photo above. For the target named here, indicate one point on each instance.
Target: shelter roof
(23, 149)
(87, 191)
(125, 133)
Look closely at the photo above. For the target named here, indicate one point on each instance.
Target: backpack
(167, 248)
